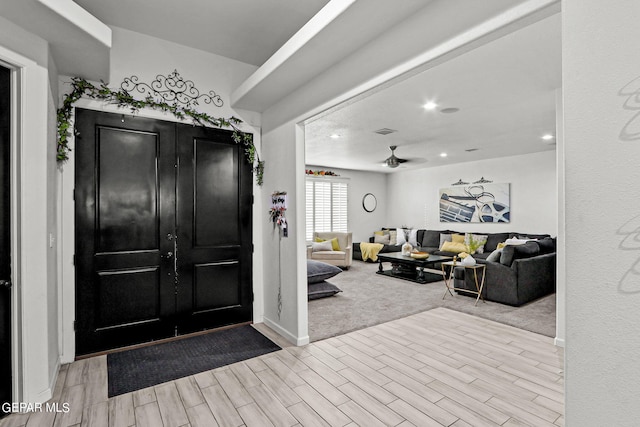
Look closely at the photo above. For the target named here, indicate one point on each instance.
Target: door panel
(214, 230)
(163, 234)
(125, 198)
(5, 237)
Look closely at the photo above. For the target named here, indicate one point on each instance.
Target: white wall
(600, 59)
(34, 265)
(146, 57)
(362, 223)
(284, 269)
(413, 195)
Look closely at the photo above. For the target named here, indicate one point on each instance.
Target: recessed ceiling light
(547, 137)
(334, 136)
(450, 110)
(430, 105)
(443, 154)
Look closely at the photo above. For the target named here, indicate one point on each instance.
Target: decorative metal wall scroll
(172, 88)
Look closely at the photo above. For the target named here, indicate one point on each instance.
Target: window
(326, 208)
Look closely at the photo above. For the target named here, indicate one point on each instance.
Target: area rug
(369, 299)
(147, 366)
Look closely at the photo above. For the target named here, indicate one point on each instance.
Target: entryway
(5, 238)
(163, 216)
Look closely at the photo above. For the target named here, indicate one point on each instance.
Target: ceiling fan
(393, 161)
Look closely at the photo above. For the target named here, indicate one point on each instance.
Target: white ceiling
(246, 30)
(505, 91)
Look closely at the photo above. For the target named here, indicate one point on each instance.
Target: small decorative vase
(406, 249)
(468, 260)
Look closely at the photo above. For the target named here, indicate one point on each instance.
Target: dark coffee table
(407, 268)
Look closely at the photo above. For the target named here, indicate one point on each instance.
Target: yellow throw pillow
(453, 247)
(501, 245)
(379, 233)
(457, 238)
(334, 243)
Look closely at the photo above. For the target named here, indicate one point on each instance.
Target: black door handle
(5, 284)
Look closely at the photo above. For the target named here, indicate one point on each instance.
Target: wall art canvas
(475, 203)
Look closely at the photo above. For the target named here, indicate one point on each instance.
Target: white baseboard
(558, 342)
(298, 341)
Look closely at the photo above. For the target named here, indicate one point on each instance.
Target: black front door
(5, 238)
(163, 230)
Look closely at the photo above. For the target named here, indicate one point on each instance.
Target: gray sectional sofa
(521, 274)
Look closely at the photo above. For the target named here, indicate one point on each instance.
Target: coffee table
(407, 268)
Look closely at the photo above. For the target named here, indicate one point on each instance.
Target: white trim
(558, 342)
(286, 334)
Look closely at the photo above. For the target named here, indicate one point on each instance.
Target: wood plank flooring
(437, 368)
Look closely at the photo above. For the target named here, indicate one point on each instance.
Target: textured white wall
(413, 195)
(600, 59)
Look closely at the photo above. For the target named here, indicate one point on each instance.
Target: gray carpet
(369, 299)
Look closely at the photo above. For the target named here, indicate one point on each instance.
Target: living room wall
(361, 222)
(413, 195)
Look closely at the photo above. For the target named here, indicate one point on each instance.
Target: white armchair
(341, 258)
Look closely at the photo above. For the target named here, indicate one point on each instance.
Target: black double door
(163, 230)
(5, 238)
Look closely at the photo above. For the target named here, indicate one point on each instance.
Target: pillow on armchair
(321, 246)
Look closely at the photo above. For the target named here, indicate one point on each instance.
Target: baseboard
(286, 334)
(558, 342)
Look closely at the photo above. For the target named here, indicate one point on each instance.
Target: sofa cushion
(547, 245)
(493, 239)
(511, 253)
(321, 290)
(318, 271)
(431, 238)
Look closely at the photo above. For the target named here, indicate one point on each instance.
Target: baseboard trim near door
(161, 341)
(298, 341)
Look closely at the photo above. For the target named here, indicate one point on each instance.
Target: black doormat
(136, 369)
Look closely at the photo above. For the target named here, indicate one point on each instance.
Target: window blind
(326, 205)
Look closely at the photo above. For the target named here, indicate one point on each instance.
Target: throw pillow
(380, 233)
(444, 238)
(457, 238)
(318, 271)
(431, 238)
(334, 243)
(494, 256)
(413, 237)
(393, 237)
(321, 246)
(400, 237)
(501, 245)
(515, 241)
(479, 239)
(321, 290)
(454, 247)
(381, 239)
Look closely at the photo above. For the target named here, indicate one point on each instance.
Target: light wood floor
(437, 368)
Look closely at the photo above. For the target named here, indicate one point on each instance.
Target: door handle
(167, 256)
(5, 284)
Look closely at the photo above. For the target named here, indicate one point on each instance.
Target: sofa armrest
(348, 252)
(309, 252)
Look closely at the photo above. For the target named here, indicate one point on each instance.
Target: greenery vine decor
(123, 99)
